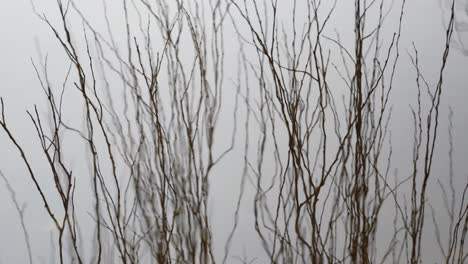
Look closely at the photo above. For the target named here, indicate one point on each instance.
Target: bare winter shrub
(314, 115)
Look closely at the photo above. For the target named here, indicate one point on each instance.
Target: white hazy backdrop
(25, 38)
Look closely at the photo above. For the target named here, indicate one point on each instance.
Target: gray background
(23, 34)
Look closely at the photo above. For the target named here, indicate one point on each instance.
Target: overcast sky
(24, 37)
